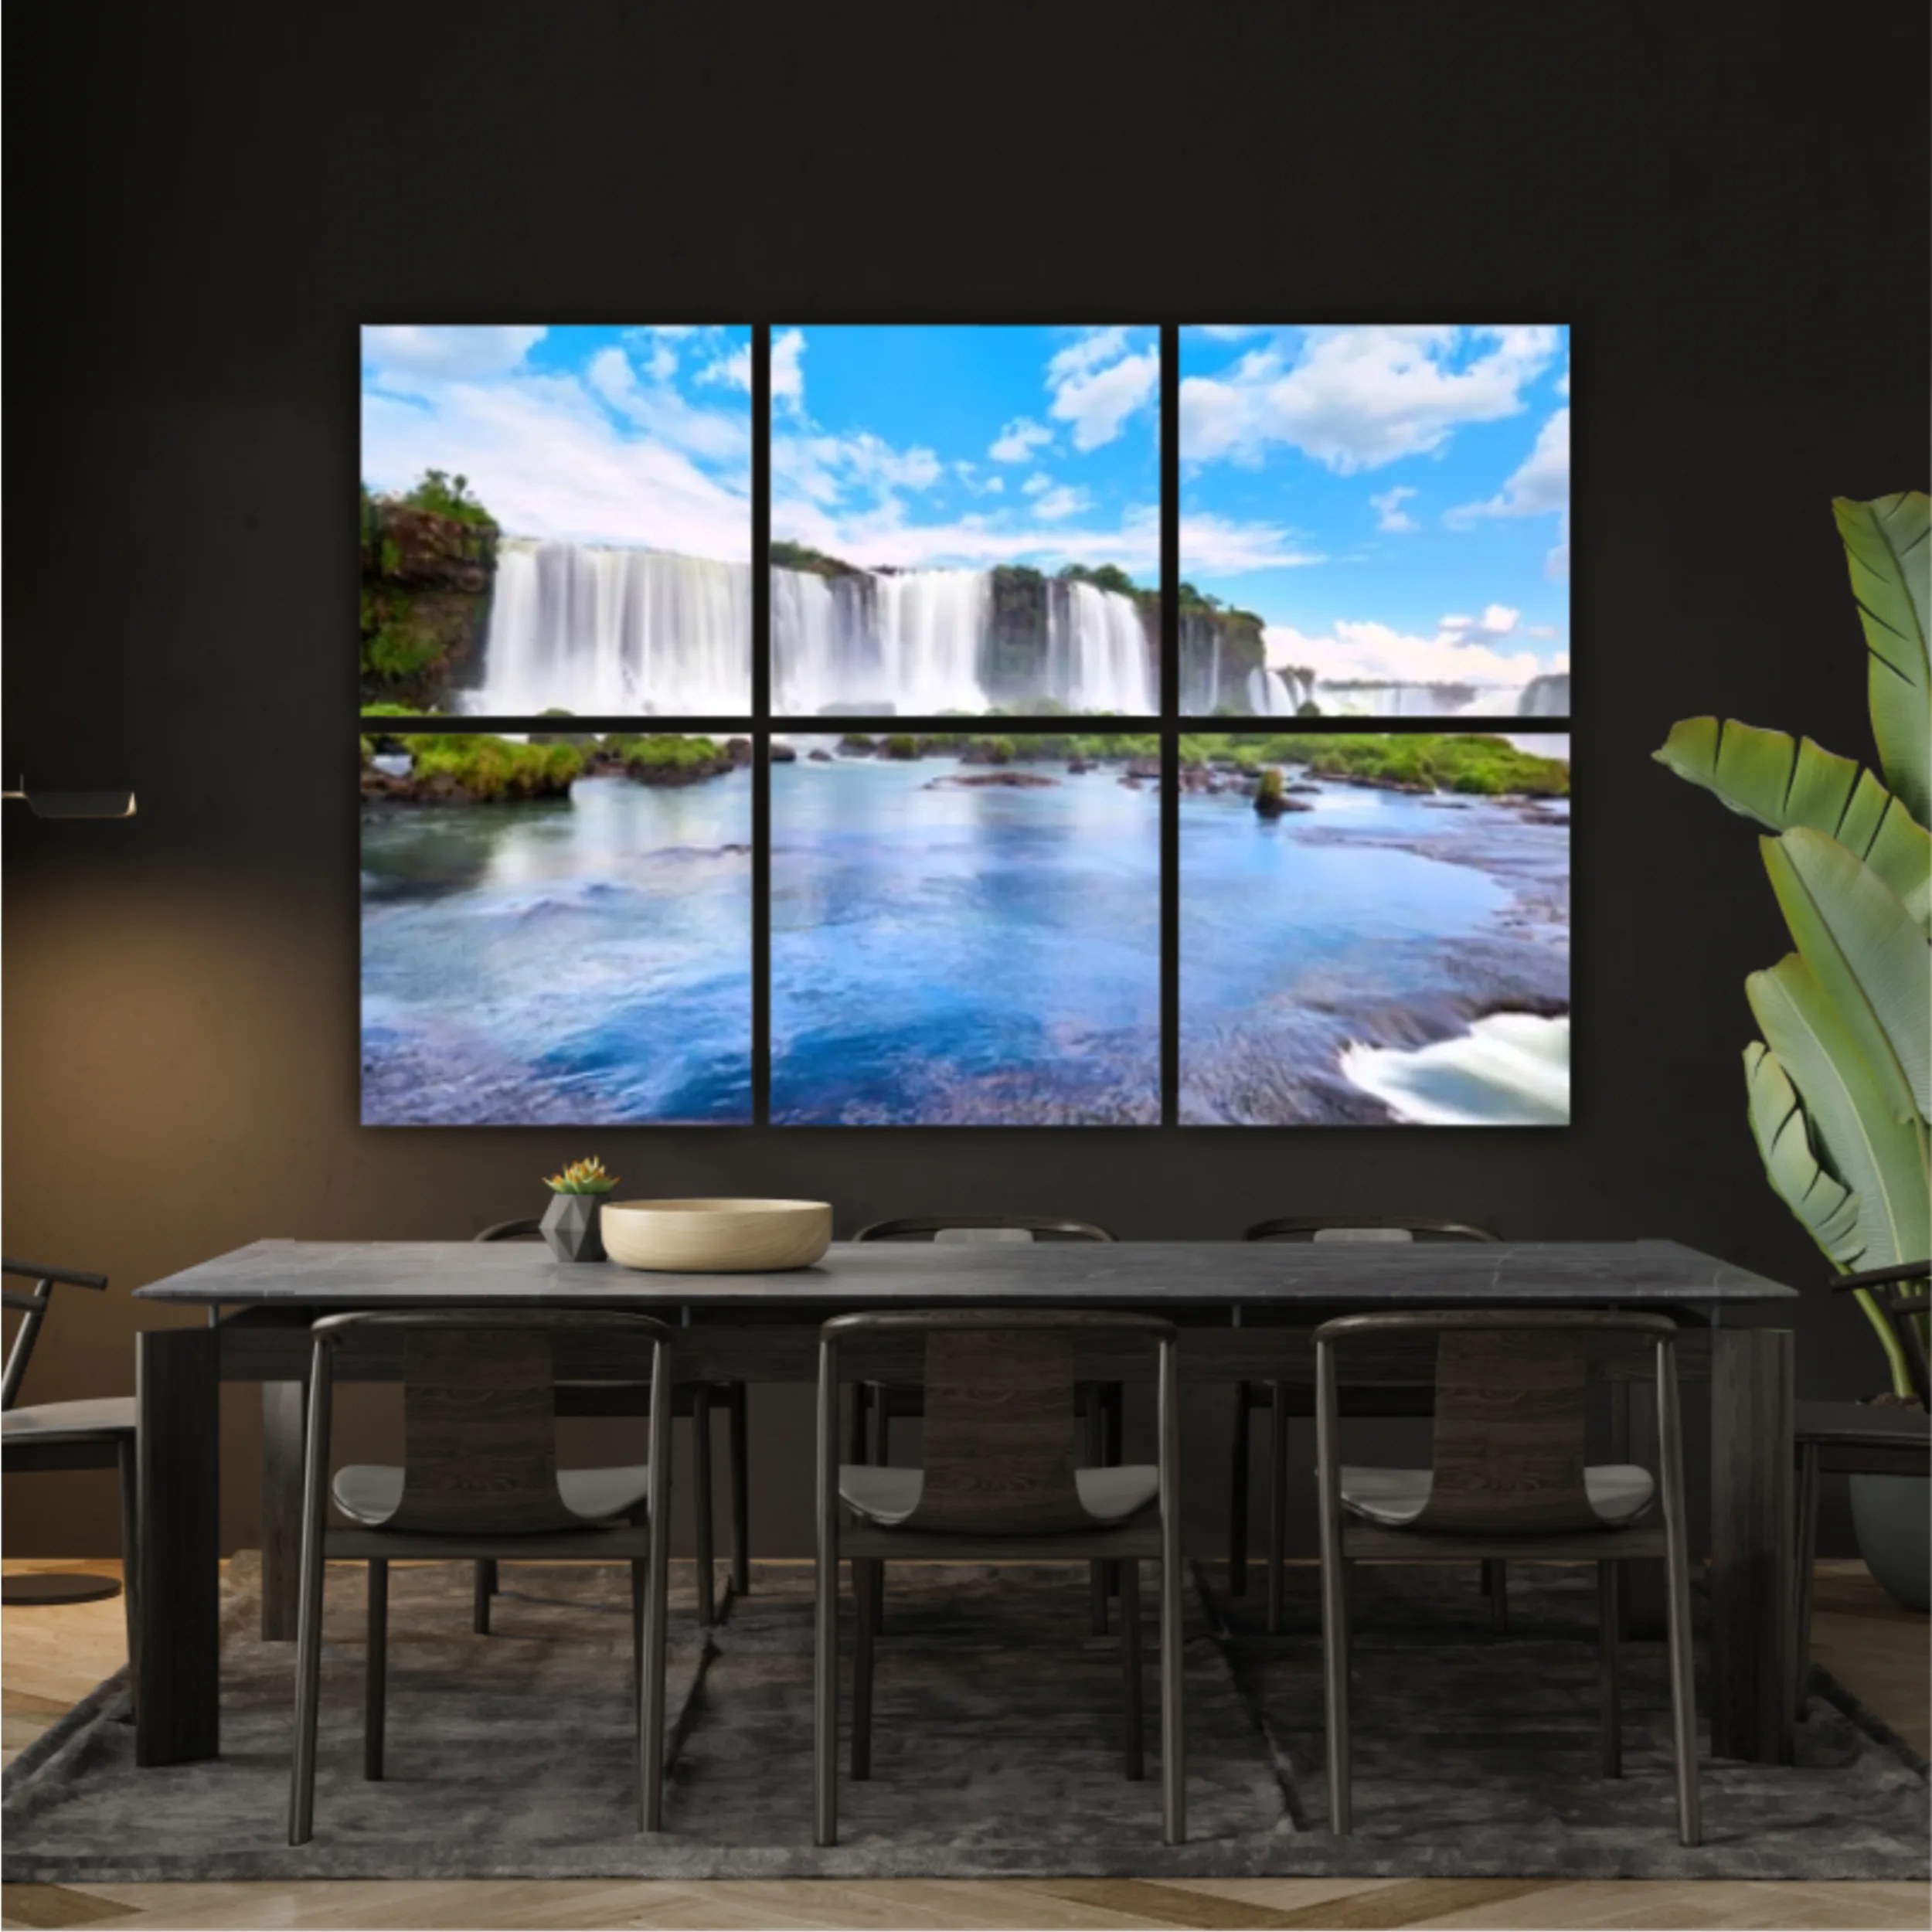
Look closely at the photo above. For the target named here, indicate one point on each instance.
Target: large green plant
(1840, 1087)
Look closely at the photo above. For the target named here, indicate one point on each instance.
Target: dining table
(1246, 1312)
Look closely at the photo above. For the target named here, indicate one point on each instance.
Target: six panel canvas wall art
(1011, 829)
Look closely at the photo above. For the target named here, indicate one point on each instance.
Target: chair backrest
(1511, 1408)
(510, 1231)
(33, 1310)
(479, 1407)
(999, 1441)
(968, 1228)
(1362, 1227)
(1899, 1294)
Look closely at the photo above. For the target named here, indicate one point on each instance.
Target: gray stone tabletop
(1171, 1273)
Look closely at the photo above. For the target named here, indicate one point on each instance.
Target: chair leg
(1610, 1616)
(865, 1589)
(1334, 1670)
(308, 1629)
(882, 1448)
(701, 1531)
(1238, 1496)
(639, 1583)
(1130, 1666)
(1496, 1586)
(376, 1669)
(824, 1696)
(483, 1589)
(130, 1566)
(1683, 1683)
(1096, 1456)
(1277, 1502)
(738, 1441)
(1808, 1473)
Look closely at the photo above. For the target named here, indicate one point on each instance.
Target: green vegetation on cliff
(1485, 766)
(428, 558)
(801, 556)
(473, 766)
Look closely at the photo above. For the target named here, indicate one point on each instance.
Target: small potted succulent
(570, 1222)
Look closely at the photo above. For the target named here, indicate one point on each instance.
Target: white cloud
(1069, 500)
(1357, 398)
(993, 486)
(733, 369)
(1018, 440)
(1212, 545)
(1389, 514)
(787, 371)
(1538, 487)
(1462, 650)
(545, 456)
(403, 357)
(1038, 481)
(1229, 331)
(659, 410)
(1098, 382)
(882, 539)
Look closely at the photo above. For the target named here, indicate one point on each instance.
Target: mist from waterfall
(912, 643)
(602, 632)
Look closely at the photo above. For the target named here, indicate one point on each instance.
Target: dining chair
(998, 1484)
(1860, 1438)
(689, 1401)
(479, 1478)
(1101, 1405)
(1285, 1401)
(95, 1433)
(1508, 1476)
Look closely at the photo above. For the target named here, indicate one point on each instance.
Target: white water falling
(1274, 694)
(929, 623)
(1547, 696)
(602, 632)
(1096, 653)
(909, 643)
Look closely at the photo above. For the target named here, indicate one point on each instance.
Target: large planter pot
(1891, 1514)
(572, 1226)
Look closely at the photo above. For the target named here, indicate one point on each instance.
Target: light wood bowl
(716, 1237)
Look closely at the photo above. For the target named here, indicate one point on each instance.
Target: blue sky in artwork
(635, 436)
(905, 447)
(1394, 502)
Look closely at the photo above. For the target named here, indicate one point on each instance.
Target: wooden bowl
(716, 1237)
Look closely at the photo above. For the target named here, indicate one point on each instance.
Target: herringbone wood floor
(53, 1656)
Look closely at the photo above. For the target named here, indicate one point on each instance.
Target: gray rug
(996, 1746)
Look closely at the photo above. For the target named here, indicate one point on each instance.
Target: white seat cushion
(67, 1421)
(887, 1497)
(368, 1492)
(1618, 1492)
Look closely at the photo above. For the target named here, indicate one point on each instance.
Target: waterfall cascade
(1276, 694)
(914, 643)
(605, 632)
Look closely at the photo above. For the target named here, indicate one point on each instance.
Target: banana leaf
(1828, 1208)
(1881, 1160)
(1781, 782)
(1855, 934)
(1887, 548)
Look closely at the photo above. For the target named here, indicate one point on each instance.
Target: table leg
(177, 1395)
(284, 1418)
(1750, 1664)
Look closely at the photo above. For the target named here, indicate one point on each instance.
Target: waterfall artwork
(965, 931)
(556, 519)
(1375, 522)
(556, 931)
(1375, 930)
(965, 520)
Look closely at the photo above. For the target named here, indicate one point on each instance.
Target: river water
(581, 963)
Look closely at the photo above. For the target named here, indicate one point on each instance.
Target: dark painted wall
(205, 201)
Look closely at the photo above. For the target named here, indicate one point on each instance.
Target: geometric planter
(570, 1227)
